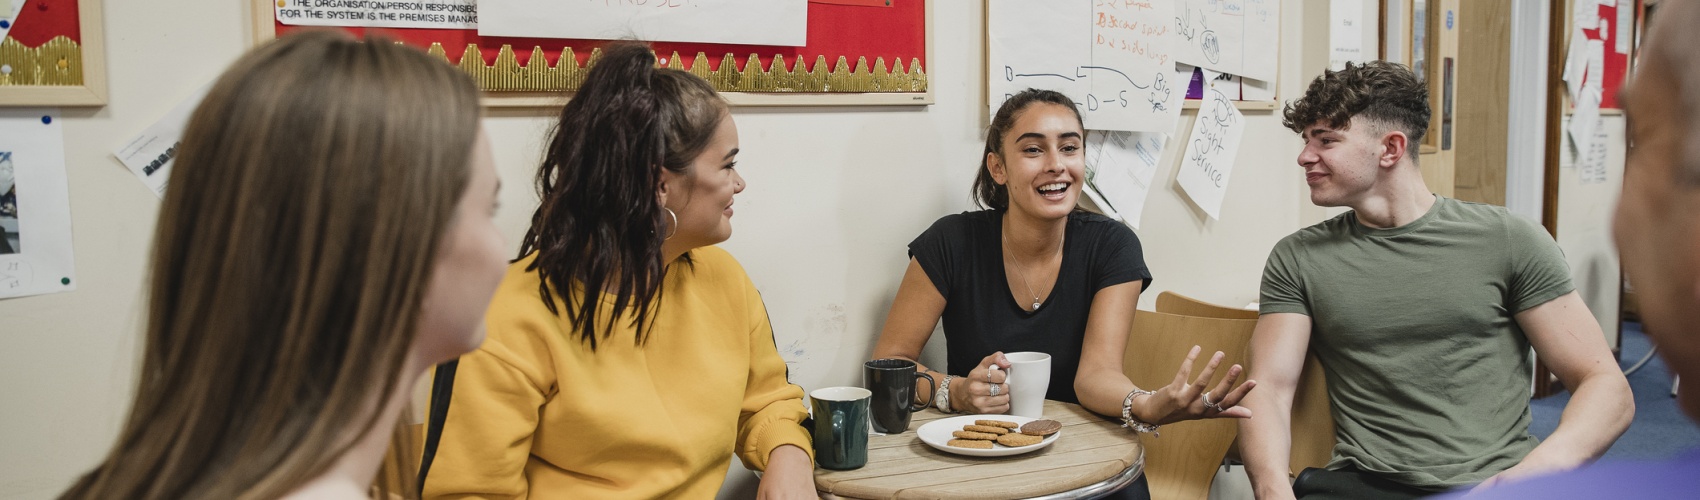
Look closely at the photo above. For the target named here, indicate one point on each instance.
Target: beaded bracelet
(1134, 423)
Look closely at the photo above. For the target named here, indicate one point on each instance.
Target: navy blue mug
(840, 427)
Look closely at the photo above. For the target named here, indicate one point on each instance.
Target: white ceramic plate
(938, 432)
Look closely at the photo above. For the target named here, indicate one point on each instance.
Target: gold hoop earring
(675, 223)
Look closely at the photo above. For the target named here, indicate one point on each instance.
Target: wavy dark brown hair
(600, 223)
(294, 250)
(986, 191)
(1386, 93)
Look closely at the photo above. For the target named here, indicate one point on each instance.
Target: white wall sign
(439, 14)
(757, 22)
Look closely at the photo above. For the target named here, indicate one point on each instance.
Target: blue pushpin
(46, 119)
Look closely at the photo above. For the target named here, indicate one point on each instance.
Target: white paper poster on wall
(438, 14)
(35, 205)
(150, 154)
(1120, 74)
(758, 22)
(1592, 168)
(1207, 160)
(1345, 33)
(1241, 37)
(1120, 168)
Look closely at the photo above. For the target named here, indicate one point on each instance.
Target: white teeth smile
(1055, 186)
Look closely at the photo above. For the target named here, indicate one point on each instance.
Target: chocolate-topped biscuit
(985, 436)
(1041, 427)
(986, 429)
(970, 443)
(1018, 440)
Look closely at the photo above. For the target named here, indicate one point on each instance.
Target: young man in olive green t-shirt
(1422, 310)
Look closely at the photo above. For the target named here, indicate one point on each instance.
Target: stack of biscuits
(984, 434)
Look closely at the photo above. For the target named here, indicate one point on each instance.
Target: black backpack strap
(442, 391)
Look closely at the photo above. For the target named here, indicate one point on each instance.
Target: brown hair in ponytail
(600, 222)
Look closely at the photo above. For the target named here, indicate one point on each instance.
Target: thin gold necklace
(1019, 272)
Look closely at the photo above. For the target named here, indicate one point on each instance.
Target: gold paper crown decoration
(507, 75)
(58, 62)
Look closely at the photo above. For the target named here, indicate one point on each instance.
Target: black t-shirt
(963, 256)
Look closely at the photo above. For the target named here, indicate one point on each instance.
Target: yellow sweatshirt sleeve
(487, 436)
(773, 409)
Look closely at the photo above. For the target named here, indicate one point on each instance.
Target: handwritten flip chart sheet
(756, 22)
(35, 205)
(1240, 37)
(1208, 158)
(1111, 56)
(440, 14)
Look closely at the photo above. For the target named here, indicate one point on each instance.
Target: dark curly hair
(1385, 92)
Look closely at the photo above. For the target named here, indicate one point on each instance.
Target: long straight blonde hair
(292, 255)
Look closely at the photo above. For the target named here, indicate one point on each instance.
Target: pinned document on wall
(1345, 33)
(35, 205)
(1207, 157)
(1120, 169)
(433, 14)
(753, 22)
(1592, 167)
(1241, 37)
(1625, 24)
(150, 154)
(1121, 76)
(1587, 14)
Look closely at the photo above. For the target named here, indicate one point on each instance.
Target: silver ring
(1214, 406)
(994, 389)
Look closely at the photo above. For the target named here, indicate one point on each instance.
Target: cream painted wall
(1584, 228)
(835, 195)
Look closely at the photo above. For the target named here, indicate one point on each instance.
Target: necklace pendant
(1035, 305)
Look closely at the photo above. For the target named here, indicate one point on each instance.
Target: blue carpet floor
(1660, 430)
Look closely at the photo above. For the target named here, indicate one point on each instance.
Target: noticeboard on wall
(856, 53)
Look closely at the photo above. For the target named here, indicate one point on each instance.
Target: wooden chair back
(1312, 420)
(1174, 303)
(1182, 462)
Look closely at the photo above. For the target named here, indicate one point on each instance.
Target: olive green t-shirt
(1426, 366)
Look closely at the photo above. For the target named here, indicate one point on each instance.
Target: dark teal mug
(841, 427)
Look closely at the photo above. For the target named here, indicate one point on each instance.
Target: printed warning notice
(441, 14)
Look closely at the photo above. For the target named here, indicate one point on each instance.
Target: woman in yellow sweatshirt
(626, 356)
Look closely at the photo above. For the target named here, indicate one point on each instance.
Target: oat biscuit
(970, 443)
(1041, 427)
(986, 428)
(1017, 440)
(984, 436)
(997, 423)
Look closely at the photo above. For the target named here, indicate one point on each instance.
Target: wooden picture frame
(89, 56)
(265, 29)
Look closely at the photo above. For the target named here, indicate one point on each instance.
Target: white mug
(1029, 376)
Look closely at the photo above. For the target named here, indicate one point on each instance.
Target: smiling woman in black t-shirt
(1033, 273)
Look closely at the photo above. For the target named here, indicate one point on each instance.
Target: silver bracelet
(941, 397)
(1134, 423)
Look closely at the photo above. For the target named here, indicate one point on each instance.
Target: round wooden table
(1094, 456)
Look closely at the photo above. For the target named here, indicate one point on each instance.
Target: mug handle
(930, 390)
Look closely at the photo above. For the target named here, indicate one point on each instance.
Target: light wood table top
(1093, 456)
